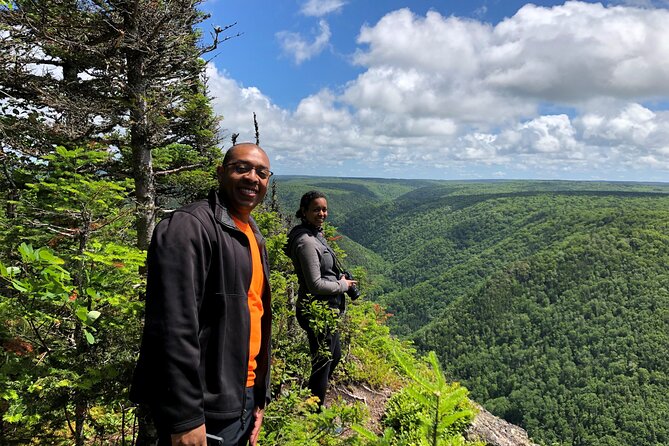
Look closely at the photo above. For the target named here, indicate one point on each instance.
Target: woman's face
(317, 212)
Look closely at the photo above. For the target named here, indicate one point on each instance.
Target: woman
(322, 286)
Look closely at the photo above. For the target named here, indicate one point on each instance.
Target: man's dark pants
(234, 432)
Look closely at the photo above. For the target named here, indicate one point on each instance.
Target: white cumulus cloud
(319, 8)
(565, 54)
(296, 46)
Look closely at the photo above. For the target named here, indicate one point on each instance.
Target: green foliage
(437, 395)
(293, 420)
(370, 358)
(70, 311)
(69, 198)
(276, 236)
(186, 173)
(323, 320)
(62, 344)
(435, 413)
(429, 411)
(567, 343)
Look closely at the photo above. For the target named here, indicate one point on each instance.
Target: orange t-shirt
(254, 300)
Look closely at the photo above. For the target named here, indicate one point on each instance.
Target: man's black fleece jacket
(194, 355)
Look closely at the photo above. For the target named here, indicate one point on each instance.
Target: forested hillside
(346, 194)
(570, 342)
(548, 299)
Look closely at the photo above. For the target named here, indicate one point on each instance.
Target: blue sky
(448, 89)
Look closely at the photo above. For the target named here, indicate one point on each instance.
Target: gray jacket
(315, 266)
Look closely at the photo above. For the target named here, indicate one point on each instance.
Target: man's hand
(257, 414)
(193, 437)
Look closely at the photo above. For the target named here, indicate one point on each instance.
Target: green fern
(429, 411)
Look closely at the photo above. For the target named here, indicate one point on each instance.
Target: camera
(353, 291)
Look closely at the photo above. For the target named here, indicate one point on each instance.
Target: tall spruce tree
(125, 74)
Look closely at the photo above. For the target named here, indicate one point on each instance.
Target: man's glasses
(244, 168)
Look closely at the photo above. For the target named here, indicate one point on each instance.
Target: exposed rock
(486, 427)
(495, 431)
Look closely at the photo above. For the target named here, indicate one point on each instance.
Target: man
(204, 362)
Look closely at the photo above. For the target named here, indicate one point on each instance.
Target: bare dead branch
(255, 124)
(178, 169)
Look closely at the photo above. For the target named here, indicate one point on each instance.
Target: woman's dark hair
(306, 200)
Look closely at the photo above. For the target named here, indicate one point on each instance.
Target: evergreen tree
(126, 75)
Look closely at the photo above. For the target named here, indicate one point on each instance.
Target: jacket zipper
(219, 216)
(248, 353)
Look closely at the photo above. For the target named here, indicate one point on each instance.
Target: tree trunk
(145, 192)
(147, 435)
(140, 132)
(79, 419)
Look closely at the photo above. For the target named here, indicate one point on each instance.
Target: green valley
(547, 299)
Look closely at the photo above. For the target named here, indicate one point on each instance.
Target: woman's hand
(349, 283)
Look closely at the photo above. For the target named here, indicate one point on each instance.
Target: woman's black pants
(325, 351)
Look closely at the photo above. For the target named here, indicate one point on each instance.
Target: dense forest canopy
(547, 299)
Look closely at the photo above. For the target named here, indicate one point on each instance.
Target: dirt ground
(375, 400)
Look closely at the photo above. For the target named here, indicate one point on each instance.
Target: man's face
(244, 191)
